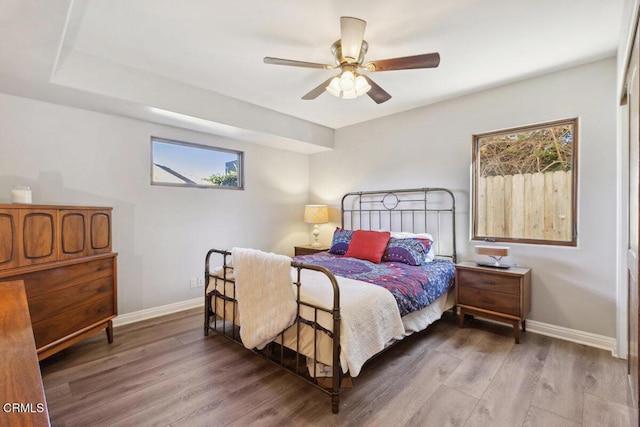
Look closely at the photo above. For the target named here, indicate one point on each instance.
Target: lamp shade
(316, 214)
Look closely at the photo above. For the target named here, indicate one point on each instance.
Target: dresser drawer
(72, 321)
(488, 281)
(54, 303)
(55, 279)
(495, 301)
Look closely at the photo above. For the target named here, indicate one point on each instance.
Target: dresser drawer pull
(487, 282)
(487, 301)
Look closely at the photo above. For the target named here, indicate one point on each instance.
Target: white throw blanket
(370, 317)
(266, 299)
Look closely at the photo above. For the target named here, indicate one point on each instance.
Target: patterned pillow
(407, 251)
(428, 244)
(426, 238)
(340, 243)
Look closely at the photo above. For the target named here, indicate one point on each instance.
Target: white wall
(72, 156)
(432, 146)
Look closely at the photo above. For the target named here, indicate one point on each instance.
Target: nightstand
(309, 250)
(499, 294)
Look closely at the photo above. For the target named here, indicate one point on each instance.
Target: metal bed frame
(415, 210)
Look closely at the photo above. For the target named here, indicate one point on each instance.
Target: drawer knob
(486, 300)
(487, 282)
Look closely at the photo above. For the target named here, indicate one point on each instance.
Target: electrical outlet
(193, 282)
(201, 282)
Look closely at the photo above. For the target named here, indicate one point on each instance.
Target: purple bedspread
(413, 287)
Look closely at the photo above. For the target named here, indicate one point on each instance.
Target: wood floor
(165, 372)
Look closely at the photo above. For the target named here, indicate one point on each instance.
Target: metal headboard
(417, 210)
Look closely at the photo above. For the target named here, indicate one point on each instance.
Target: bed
(389, 273)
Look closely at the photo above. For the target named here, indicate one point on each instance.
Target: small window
(524, 184)
(183, 164)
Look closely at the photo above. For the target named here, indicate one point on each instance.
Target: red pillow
(368, 245)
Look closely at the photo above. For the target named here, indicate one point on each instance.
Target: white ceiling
(217, 47)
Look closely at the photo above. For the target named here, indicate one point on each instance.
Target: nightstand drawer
(495, 301)
(488, 281)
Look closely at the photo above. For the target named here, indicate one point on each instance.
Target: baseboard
(150, 313)
(573, 335)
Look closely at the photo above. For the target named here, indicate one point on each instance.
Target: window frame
(239, 154)
(574, 183)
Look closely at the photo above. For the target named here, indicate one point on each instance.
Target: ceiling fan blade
(376, 93)
(291, 62)
(351, 35)
(319, 90)
(427, 60)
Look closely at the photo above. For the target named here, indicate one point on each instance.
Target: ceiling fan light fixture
(349, 94)
(348, 85)
(347, 81)
(352, 32)
(362, 86)
(334, 87)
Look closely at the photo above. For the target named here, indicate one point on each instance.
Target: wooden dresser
(63, 254)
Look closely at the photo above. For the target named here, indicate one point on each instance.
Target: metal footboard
(286, 357)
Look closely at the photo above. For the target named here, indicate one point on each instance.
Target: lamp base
(316, 234)
(493, 265)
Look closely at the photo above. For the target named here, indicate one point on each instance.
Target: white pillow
(406, 235)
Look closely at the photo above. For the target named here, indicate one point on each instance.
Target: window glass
(176, 163)
(524, 184)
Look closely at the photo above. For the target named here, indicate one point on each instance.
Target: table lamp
(495, 252)
(316, 214)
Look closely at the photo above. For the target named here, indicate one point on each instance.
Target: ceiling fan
(349, 54)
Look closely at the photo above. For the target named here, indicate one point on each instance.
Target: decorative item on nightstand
(495, 252)
(316, 214)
